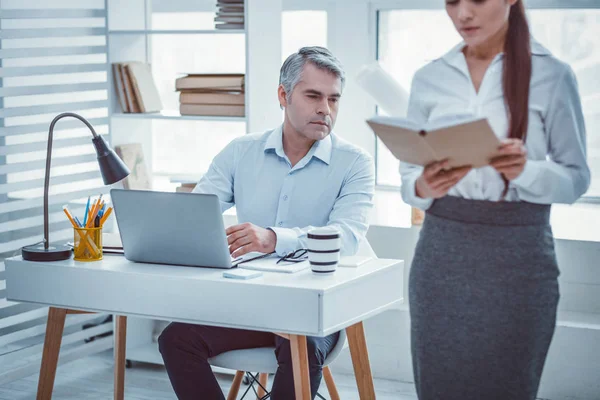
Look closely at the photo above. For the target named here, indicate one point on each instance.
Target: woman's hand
(436, 181)
(511, 158)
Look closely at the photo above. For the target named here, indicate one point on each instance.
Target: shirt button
(285, 198)
(280, 224)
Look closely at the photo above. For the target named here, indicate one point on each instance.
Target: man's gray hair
(320, 57)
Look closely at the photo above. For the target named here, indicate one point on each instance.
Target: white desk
(299, 305)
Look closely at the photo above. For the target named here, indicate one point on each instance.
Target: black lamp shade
(112, 168)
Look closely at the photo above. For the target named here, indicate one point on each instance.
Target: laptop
(172, 228)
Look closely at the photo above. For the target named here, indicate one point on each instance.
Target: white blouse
(556, 170)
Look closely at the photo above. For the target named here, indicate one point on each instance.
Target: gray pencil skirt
(483, 293)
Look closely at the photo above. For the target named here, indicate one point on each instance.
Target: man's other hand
(246, 238)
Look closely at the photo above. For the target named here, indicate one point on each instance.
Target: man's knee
(169, 337)
(176, 337)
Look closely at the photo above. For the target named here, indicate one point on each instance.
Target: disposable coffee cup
(324, 246)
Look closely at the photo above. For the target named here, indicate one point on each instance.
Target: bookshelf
(175, 115)
(178, 32)
(129, 38)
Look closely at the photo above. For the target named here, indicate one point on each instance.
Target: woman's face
(479, 20)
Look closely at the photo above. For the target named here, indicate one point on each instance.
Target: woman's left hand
(510, 159)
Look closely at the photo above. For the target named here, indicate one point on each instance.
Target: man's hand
(246, 238)
(511, 158)
(436, 181)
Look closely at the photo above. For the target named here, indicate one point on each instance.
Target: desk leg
(360, 361)
(300, 365)
(120, 335)
(54, 331)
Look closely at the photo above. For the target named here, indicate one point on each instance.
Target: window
(571, 35)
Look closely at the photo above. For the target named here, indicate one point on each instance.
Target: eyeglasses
(294, 257)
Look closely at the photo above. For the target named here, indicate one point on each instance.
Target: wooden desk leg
(300, 365)
(360, 361)
(52, 340)
(120, 335)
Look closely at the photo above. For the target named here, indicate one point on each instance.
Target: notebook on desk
(269, 264)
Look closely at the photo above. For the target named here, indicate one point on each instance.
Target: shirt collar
(453, 55)
(321, 149)
(275, 142)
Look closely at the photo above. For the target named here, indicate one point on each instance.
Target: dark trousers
(185, 349)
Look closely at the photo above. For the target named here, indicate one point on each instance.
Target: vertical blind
(52, 60)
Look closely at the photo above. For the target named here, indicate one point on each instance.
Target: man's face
(312, 107)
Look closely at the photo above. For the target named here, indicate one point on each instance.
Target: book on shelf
(127, 91)
(231, 12)
(232, 82)
(144, 87)
(229, 25)
(214, 110)
(230, 98)
(135, 87)
(132, 155)
(230, 19)
(119, 87)
(230, 2)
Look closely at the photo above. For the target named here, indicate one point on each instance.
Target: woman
(483, 284)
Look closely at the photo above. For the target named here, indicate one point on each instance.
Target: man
(283, 183)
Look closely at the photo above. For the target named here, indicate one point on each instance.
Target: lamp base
(52, 253)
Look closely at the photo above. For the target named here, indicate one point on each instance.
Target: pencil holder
(87, 244)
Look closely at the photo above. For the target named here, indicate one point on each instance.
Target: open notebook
(462, 139)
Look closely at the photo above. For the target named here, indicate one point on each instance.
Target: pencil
(95, 213)
(87, 210)
(68, 214)
(105, 216)
(90, 221)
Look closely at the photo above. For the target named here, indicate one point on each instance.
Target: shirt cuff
(409, 195)
(287, 241)
(528, 176)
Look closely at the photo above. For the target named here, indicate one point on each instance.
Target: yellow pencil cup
(87, 244)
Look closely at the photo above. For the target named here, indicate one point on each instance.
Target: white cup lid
(324, 231)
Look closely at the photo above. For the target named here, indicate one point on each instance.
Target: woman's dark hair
(517, 73)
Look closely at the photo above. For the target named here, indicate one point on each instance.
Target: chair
(263, 359)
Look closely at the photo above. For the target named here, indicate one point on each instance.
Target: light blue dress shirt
(332, 185)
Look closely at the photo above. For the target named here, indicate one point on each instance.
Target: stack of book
(219, 95)
(230, 14)
(135, 87)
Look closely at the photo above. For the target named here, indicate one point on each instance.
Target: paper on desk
(269, 264)
(111, 240)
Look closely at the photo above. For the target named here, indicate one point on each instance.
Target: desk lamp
(112, 170)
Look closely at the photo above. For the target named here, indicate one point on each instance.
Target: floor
(92, 378)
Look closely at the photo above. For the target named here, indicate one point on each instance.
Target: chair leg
(263, 379)
(52, 340)
(235, 386)
(120, 338)
(331, 388)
